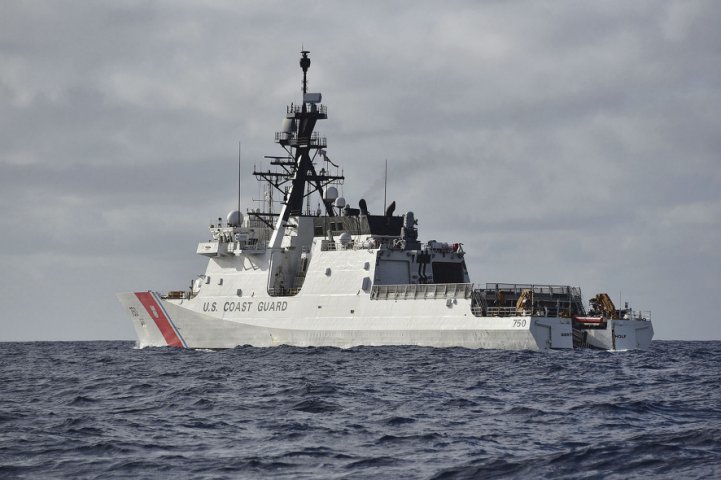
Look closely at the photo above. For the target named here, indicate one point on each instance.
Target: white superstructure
(340, 276)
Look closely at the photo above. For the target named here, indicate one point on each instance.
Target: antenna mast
(305, 64)
(385, 187)
(238, 176)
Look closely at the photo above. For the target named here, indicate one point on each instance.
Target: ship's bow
(150, 320)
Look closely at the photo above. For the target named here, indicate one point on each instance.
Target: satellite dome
(340, 202)
(331, 194)
(345, 238)
(235, 218)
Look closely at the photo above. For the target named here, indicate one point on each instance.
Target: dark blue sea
(108, 410)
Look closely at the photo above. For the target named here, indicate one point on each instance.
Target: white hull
(621, 335)
(160, 322)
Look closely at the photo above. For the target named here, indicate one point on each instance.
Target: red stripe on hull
(156, 313)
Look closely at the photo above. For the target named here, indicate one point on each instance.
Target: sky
(562, 142)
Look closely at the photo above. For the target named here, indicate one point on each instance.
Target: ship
(338, 276)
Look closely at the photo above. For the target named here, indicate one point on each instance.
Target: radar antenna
(305, 64)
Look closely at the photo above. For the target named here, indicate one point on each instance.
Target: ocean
(109, 410)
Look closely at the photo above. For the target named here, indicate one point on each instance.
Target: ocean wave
(104, 409)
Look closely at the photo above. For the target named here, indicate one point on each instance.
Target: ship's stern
(621, 334)
(552, 333)
(632, 334)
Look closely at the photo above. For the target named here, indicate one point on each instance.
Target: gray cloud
(561, 142)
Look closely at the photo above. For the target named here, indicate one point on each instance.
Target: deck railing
(506, 312)
(421, 291)
(332, 245)
(637, 315)
(535, 288)
(322, 109)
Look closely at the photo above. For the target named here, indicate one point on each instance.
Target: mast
(305, 65)
(302, 145)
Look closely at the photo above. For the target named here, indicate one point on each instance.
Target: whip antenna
(385, 187)
(238, 176)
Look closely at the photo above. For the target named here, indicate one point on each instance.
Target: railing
(444, 247)
(421, 291)
(536, 289)
(544, 300)
(506, 312)
(627, 314)
(322, 109)
(480, 311)
(315, 140)
(637, 315)
(251, 246)
(332, 245)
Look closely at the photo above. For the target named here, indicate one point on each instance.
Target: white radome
(235, 218)
(331, 194)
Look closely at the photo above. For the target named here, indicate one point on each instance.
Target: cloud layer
(561, 142)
